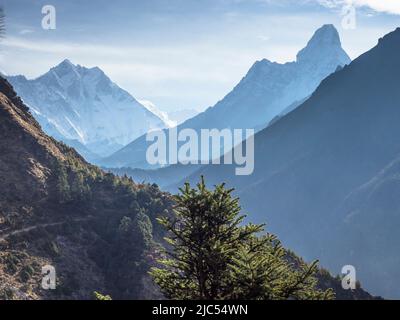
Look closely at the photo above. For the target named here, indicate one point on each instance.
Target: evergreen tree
(133, 239)
(213, 256)
(263, 270)
(63, 187)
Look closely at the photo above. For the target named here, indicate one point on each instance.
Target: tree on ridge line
(211, 255)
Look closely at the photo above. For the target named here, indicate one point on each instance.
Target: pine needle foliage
(212, 255)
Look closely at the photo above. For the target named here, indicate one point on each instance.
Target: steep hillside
(55, 209)
(374, 208)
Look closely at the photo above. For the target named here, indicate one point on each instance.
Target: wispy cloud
(150, 70)
(263, 37)
(150, 62)
(26, 31)
(387, 6)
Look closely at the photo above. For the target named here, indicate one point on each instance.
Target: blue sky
(180, 54)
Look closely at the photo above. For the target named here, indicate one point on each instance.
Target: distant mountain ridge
(74, 103)
(326, 176)
(264, 93)
(180, 116)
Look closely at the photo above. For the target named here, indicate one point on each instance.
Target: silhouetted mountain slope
(374, 207)
(264, 93)
(163, 177)
(309, 161)
(56, 209)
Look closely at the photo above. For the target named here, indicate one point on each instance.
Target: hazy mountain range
(327, 177)
(264, 93)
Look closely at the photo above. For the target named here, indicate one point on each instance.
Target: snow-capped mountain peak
(161, 114)
(325, 41)
(73, 102)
